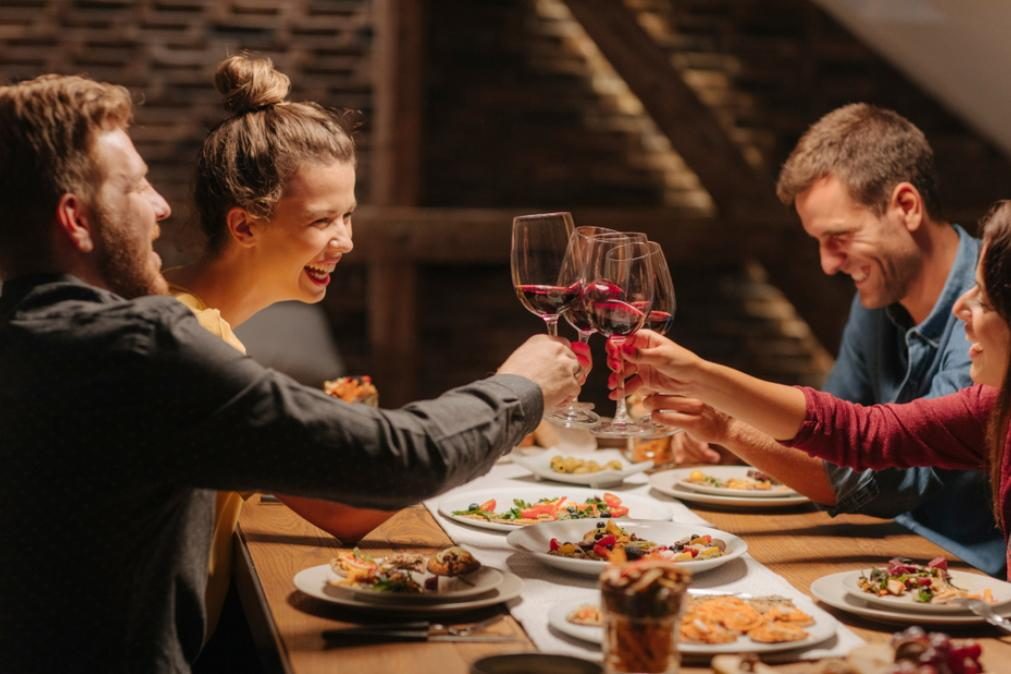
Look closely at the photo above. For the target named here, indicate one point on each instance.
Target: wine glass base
(577, 415)
(608, 428)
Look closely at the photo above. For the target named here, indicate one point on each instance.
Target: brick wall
(165, 51)
(520, 111)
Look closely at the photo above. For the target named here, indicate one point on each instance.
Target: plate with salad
(902, 584)
(510, 509)
(586, 547)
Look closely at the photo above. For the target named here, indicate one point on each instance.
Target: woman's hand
(686, 449)
(703, 422)
(654, 364)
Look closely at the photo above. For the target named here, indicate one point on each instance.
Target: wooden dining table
(273, 544)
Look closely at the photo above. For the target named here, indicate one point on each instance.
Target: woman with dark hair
(274, 193)
(967, 429)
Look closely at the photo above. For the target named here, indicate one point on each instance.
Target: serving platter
(536, 540)
(540, 465)
(725, 473)
(667, 482)
(824, 628)
(315, 582)
(639, 507)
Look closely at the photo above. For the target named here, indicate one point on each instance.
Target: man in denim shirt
(862, 181)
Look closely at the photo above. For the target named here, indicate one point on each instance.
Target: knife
(374, 634)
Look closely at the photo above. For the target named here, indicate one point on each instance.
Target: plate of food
(669, 482)
(904, 585)
(831, 590)
(508, 509)
(597, 469)
(740, 481)
(394, 583)
(585, 547)
(452, 574)
(358, 389)
(713, 623)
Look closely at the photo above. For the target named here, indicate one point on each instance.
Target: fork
(984, 611)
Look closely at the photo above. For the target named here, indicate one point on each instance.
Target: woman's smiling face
(308, 233)
(989, 335)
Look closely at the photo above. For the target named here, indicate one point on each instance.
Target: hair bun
(250, 82)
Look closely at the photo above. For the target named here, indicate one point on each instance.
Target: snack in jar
(641, 604)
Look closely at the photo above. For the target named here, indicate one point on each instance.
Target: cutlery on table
(421, 630)
(984, 611)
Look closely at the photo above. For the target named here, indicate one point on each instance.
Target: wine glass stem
(621, 409)
(584, 337)
(552, 325)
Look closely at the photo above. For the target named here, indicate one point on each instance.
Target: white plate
(313, 582)
(535, 540)
(726, 473)
(972, 582)
(458, 588)
(831, 591)
(823, 628)
(639, 507)
(668, 483)
(540, 465)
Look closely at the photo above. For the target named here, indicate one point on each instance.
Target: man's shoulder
(68, 306)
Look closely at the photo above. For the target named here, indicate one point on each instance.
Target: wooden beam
(735, 186)
(396, 181)
(739, 190)
(397, 93)
(469, 236)
(393, 328)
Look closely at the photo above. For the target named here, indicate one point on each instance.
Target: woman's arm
(946, 432)
(660, 366)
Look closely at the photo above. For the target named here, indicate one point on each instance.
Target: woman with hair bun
(275, 191)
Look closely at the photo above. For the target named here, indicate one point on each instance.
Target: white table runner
(543, 587)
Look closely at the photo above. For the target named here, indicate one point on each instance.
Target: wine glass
(661, 314)
(659, 318)
(619, 298)
(545, 285)
(538, 250)
(579, 268)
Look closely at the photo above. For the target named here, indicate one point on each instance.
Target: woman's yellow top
(229, 503)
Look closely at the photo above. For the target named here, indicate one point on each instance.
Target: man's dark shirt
(118, 418)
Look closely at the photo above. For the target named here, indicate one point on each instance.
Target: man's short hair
(869, 149)
(47, 130)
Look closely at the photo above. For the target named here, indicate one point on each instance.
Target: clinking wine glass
(539, 246)
(620, 297)
(576, 269)
(659, 318)
(579, 267)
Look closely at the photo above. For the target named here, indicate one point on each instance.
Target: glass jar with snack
(641, 604)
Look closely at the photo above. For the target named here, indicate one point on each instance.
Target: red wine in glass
(547, 300)
(659, 321)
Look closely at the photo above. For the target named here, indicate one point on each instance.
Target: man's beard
(123, 258)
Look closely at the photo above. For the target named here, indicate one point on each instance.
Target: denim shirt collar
(933, 326)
